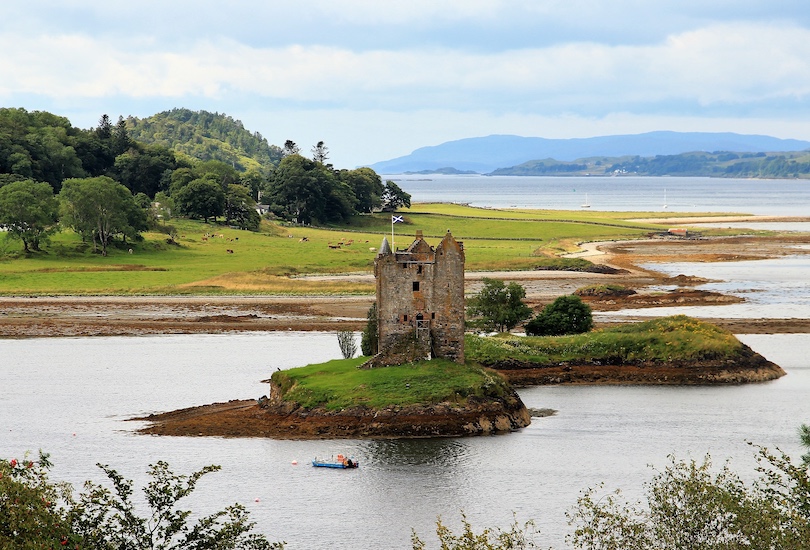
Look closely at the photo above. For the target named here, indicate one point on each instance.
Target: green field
(269, 261)
(339, 384)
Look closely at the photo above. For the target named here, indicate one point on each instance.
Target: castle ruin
(420, 301)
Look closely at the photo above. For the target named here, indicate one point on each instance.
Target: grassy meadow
(267, 262)
(339, 384)
(677, 338)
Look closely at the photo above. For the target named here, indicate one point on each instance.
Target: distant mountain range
(486, 154)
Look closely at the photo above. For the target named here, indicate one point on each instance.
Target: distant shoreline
(59, 316)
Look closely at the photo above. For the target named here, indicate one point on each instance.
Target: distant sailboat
(665, 199)
(586, 204)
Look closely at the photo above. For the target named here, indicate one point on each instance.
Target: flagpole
(394, 219)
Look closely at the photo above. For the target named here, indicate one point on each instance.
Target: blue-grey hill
(485, 154)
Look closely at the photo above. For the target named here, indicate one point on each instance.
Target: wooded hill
(206, 136)
(696, 164)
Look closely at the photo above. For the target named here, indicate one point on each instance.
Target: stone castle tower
(420, 301)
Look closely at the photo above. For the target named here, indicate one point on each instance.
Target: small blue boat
(341, 462)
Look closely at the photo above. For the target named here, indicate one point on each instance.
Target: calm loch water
(55, 388)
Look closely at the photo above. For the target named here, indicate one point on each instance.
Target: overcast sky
(377, 79)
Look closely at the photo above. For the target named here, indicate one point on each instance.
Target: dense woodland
(206, 136)
(112, 182)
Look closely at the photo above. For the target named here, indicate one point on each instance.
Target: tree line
(106, 185)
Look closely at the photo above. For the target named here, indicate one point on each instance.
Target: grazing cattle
(372, 249)
(303, 240)
(229, 251)
(334, 246)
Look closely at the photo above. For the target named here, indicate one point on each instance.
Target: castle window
(433, 315)
(416, 286)
(419, 269)
(405, 318)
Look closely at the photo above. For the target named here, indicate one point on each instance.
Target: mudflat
(26, 317)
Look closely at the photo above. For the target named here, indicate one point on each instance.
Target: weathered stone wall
(420, 291)
(447, 328)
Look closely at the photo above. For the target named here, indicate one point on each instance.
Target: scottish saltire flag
(395, 219)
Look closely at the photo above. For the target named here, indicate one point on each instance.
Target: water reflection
(443, 453)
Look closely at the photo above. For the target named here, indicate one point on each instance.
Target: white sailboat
(665, 199)
(586, 204)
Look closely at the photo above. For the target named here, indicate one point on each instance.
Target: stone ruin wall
(420, 302)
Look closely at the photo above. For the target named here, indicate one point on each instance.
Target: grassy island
(339, 384)
(669, 350)
(436, 398)
(442, 398)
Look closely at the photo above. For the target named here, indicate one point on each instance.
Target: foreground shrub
(690, 506)
(518, 537)
(38, 513)
(33, 511)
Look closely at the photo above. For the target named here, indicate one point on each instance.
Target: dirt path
(22, 317)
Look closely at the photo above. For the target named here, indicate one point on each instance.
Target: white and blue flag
(396, 219)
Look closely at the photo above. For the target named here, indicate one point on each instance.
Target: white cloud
(733, 64)
(381, 102)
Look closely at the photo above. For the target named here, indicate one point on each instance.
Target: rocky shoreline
(750, 367)
(266, 418)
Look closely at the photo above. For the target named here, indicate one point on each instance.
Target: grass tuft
(339, 384)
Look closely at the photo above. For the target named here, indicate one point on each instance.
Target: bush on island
(565, 315)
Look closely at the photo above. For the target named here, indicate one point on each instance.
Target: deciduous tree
(240, 208)
(100, 208)
(28, 211)
(33, 510)
(393, 197)
(366, 186)
(498, 306)
(108, 519)
(305, 191)
(201, 198)
(691, 505)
